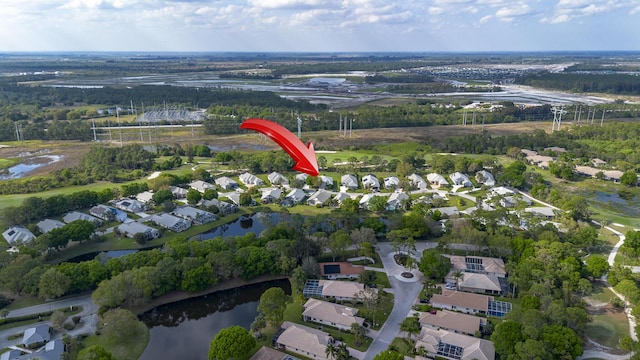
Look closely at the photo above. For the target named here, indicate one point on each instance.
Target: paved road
(405, 295)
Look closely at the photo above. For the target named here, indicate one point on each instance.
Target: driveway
(405, 295)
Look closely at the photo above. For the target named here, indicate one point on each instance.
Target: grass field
(125, 350)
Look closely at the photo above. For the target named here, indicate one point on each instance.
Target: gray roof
(370, 181)
(296, 194)
(76, 215)
(234, 197)
(437, 179)
(417, 181)
(391, 181)
(349, 180)
(201, 185)
(273, 193)
(134, 227)
(167, 220)
(190, 212)
(277, 179)
(326, 180)
(459, 178)
(36, 334)
(18, 234)
(250, 179)
(320, 196)
(47, 225)
(485, 177)
(226, 182)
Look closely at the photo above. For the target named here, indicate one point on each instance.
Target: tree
(297, 279)
(362, 235)
(4, 313)
(57, 319)
(161, 196)
(233, 342)
(597, 265)
(368, 277)
(120, 325)
(532, 349)
(350, 206)
(210, 194)
(378, 203)
(258, 324)
(359, 332)
(411, 326)
(342, 352)
(193, 196)
(53, 284)
(562, 342)
(629, 178)
(505, 337)
(245, 199)
(434, 265)
(95, 352)
(272, 304)
(331, 351)
(458, 275)
(339, 241)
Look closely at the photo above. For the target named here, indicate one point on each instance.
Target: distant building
(275, 178)
(370, 182)
(103, 212)
(226, 183)
(325, 181)
(17, 235)
(271, 195)
(349, 181)
(224, 207)
(417, 181)
(145, 197)
(251, 180)
(130, 205)
(194, 215)
(391, 182)
(178, 192)
(46, 225)
(397, 200)
(341, 197)
(437, 180)
(459, 178)
(171, 222)
(319, 198)
(485, 178)
(294, 197)
(201, 186)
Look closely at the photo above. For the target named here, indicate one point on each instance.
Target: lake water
(184, 330)
(614, 202)
(29, 164)
(254, 223)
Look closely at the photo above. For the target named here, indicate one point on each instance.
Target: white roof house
(294, 197)
(340, 197)
(303, 340)
(145, 197)
(130, 205)
(226, 183)
(370, 182)
(319, 197)
(349, 181)
(302, 177)
(270, 195)
(450, 345)
(459, 178)
(103, 212)
(485, 177)
(325, 181)
(437, 179)
(76, 215)
(46, 225)
(171, 222)
(251, 180)
(234, 197)
(194, 215)
(132, 228)
(391, 182)
(16, 235)
(341, 290)
(331, 314)
(501, 190)
(223, 206)
(542, 211)
(178, 192)
(417, 181)
(201, 186)
(275, 178)
(396, 200)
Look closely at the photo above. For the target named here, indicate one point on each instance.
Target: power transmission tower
(557, 117)
(299, 127)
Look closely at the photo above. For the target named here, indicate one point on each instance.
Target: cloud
(288, 4)
(486, 19)
(435, 10)
(509, 14)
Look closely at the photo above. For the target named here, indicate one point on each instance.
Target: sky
(319, 25)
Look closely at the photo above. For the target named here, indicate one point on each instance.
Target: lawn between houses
(131, 349)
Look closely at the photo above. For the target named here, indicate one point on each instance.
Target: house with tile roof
(46, 225)
(417, 181)
(458, 178)
(437, 180)
(481, 274)
(303, 340)
(39, 334)
(485, 178)
(294, 197)
(271, 195)
(327, 313)
(319, 198)
(196, 216)
(452, 321)
(450, 345)
(340, 270)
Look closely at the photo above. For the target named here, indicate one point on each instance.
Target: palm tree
(411, 326)
(359, 332)
(4, 313)
(343, 352)
(458, 275)
(331, 351)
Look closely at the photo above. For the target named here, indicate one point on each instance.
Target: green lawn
(607, 330)
(5, 163)
(24, 301)
(403, 346)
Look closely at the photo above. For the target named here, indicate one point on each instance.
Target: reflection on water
(255, 223)
(184, 330)
(29, 164)
(614, 202)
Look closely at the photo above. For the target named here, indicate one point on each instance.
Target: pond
(106, 255)
(248, 223)
(184, 330)
(614, 202)
(27, 165)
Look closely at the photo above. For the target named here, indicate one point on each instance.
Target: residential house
(234, 197)
(17, 235)
(335, 315)
(226, 183)
(339, 290)
(364, 200)
(325, 181)
(39, 334)
(224, 207)
(275, 178)
(501, 191)
(397, 200)
(76, 215)
(294, 197)
(511, 201)
(437, 180)
(587, 171)
(319, 198)
(555, 149)
(540, 161)
(541, 211)
(598, 162)
(266, 353)
(458, 178)
(303, 340)
(171, 222)
(370, 182)
(46, 225)
(613, 175)
(528, 153)
(453, 346)
(251, 180)
(145, 197)
(349, 181)
(452, 321)
(340, 270)
(130, 205)
(448, 210)
(417, 181)
(468, 303)
(132, 228)
(178, 192)
(481, 274)
(196, 216)
(103, 212)
(201, 186)
(302, 178)
(486, 178)
(340, 197)
(391, 182)
(270, 195)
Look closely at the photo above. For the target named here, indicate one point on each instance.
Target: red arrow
(304, 156)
